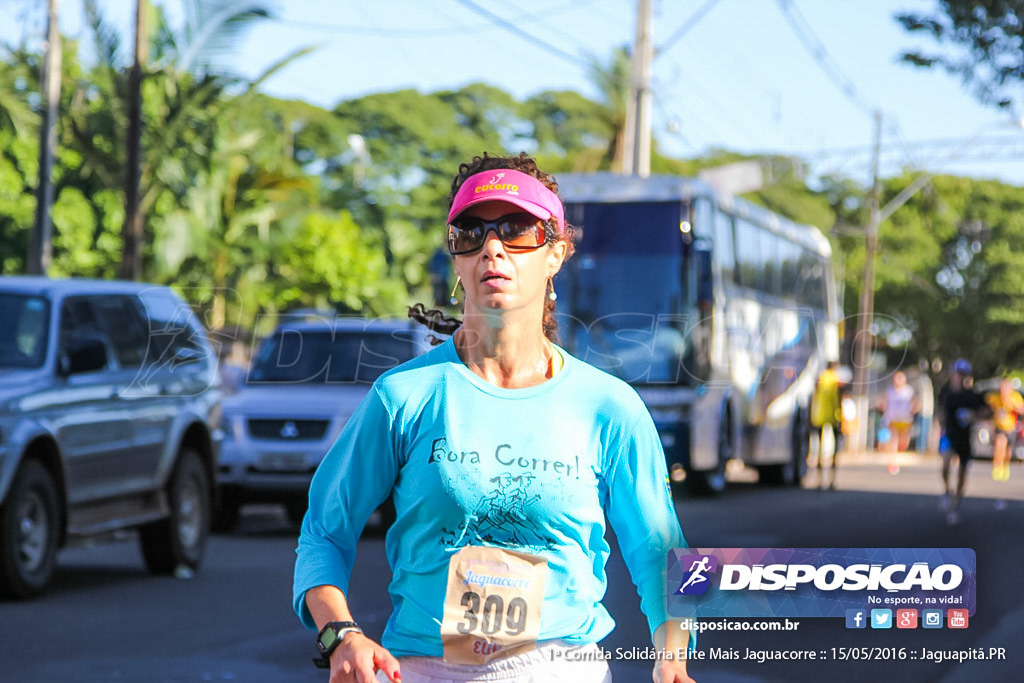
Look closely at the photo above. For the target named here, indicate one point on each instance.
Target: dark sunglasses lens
(521, 230)
(465, 237)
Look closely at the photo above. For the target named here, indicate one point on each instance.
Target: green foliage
(16, 114)
(256, 205)
(986, 37)
(330, 263)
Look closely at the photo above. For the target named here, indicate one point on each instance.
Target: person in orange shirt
(1006, 406)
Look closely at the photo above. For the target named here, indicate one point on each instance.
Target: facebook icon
(856, 618)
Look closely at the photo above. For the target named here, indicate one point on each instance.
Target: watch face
(327, 638)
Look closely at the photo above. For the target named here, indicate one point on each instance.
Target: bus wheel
(801, 448)
(712, 482)
(790, 473)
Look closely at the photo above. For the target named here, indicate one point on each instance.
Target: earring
(551, 295)
(458, 281)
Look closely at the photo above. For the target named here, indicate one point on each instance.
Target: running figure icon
(697, 569)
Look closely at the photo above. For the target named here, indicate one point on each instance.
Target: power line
(398, 45)
(440, 31)
(534, 41)
(803, 31)
(525, 35)
(378, 31)
(682, 30)
(937, 153)
(725, 114)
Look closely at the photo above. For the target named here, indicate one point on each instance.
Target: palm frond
(212, 28)
(15, 113)
(105, 38)
(277, 66)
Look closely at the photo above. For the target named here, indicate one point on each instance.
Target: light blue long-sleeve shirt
(537, 470)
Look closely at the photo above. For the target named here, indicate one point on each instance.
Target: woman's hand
(357, 660)
(671, 671)
(671, 638)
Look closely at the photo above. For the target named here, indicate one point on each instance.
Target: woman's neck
(508, 356)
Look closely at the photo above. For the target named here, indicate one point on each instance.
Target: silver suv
(302, 385)
(109, 402)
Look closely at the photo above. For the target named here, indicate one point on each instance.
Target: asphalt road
(107, 620)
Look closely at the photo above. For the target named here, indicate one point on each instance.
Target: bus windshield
(626, 299)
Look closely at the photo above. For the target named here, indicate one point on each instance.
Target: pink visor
(513, 187)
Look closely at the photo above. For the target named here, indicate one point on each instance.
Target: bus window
(724, 252)
(769, 255)
(811, 284)
(789, 263)
(748, 262)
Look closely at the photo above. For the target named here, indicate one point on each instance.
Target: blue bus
(720, 313)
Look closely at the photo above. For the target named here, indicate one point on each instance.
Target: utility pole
(863, 341)
(40, 247)
(638, 110)
(131, 231)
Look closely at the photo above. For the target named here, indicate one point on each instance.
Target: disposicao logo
(818, 582)
(696, 581)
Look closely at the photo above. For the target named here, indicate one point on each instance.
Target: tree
(19, 158)
(183, 92)
(16, 115)
(987, 41)
(949, 280)
(233, 214)
(572, 133)
(614, 82)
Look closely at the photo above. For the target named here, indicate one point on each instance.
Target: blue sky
(740, 78)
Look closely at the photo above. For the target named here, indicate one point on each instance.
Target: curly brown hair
(438, 321)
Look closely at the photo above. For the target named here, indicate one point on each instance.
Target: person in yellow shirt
(1006, 406)
(826, 412)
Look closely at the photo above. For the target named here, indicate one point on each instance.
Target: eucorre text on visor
(513, 187)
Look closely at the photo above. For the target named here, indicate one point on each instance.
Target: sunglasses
(517, 231)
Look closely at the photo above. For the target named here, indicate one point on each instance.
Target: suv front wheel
(179, 540)
(28, 532)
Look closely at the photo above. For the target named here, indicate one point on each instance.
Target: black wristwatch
(330, 637)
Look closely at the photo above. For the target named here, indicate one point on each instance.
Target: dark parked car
(109, 405)
(303, 384)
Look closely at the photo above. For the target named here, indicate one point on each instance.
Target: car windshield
(296, 356)
(25, 330)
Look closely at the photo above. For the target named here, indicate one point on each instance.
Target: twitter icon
(881, 618)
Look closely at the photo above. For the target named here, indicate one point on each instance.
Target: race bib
(492, 605)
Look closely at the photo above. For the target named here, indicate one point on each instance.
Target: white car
(303, 384)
